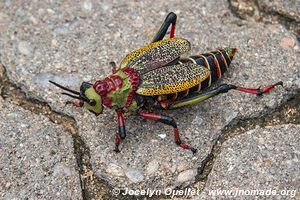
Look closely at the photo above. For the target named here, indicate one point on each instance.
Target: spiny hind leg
(208, 93)
(170, 20)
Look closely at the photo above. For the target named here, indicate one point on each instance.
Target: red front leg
(122, 132)
(169, 121)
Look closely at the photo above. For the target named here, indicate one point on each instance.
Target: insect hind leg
(170, 20)
(224, 88)
(259, 91)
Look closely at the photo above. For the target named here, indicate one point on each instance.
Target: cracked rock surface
(70, 42)
(260, 159)
(291, 9)
(36, 157)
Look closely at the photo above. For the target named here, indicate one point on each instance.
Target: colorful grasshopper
(155, 77)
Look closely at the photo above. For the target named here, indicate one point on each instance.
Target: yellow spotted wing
(171, 79)
(156, 54)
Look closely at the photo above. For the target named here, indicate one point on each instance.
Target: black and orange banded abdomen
(216, 61)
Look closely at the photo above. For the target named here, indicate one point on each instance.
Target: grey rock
(61, 29)
(152, 167)
(230, 115)
(197, 121)
(260, 159)
(245, 9)
(36, 159)
(88, 5)
(252, 10)
(42, 79)
(186, 176)
(285, 8)
(86, 41)
(297, 82)
(115, 170)
(61, 170)
(134, 175)
(24, 48)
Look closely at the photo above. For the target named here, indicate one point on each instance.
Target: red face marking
(101, 87)
(117, 81)
(110, 85)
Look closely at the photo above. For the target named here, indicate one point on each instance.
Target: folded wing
(171, 79)
(156, 55)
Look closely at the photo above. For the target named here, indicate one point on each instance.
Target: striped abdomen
(216, 61)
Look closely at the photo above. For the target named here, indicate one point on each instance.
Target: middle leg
(171, 122)
(122, 132)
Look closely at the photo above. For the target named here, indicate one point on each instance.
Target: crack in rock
(13, 94)
(287, 113)
(259, 11)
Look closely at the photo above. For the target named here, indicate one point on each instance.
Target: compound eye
(92, 102)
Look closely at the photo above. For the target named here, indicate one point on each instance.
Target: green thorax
(119, 96)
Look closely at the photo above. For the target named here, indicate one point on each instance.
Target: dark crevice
(252, 10)
(10, 92)
(287, 113)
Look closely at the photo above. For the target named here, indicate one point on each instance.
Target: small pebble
(24, 48)
(187, 175)
(115, 170)
(134, 175)
(197, 121)
(152, 167)
(87, 5)
(162, 136)
(287, 42)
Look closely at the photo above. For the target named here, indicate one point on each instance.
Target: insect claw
(113, 66)
(117, 150)
(260, 92)
(68, 102)
(279, 83)
(194, 150)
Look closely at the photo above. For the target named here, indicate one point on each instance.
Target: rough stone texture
(260, 159)
(245, 9)
(36, 157)
(251, 8)
(289, 8)
(69, 42)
